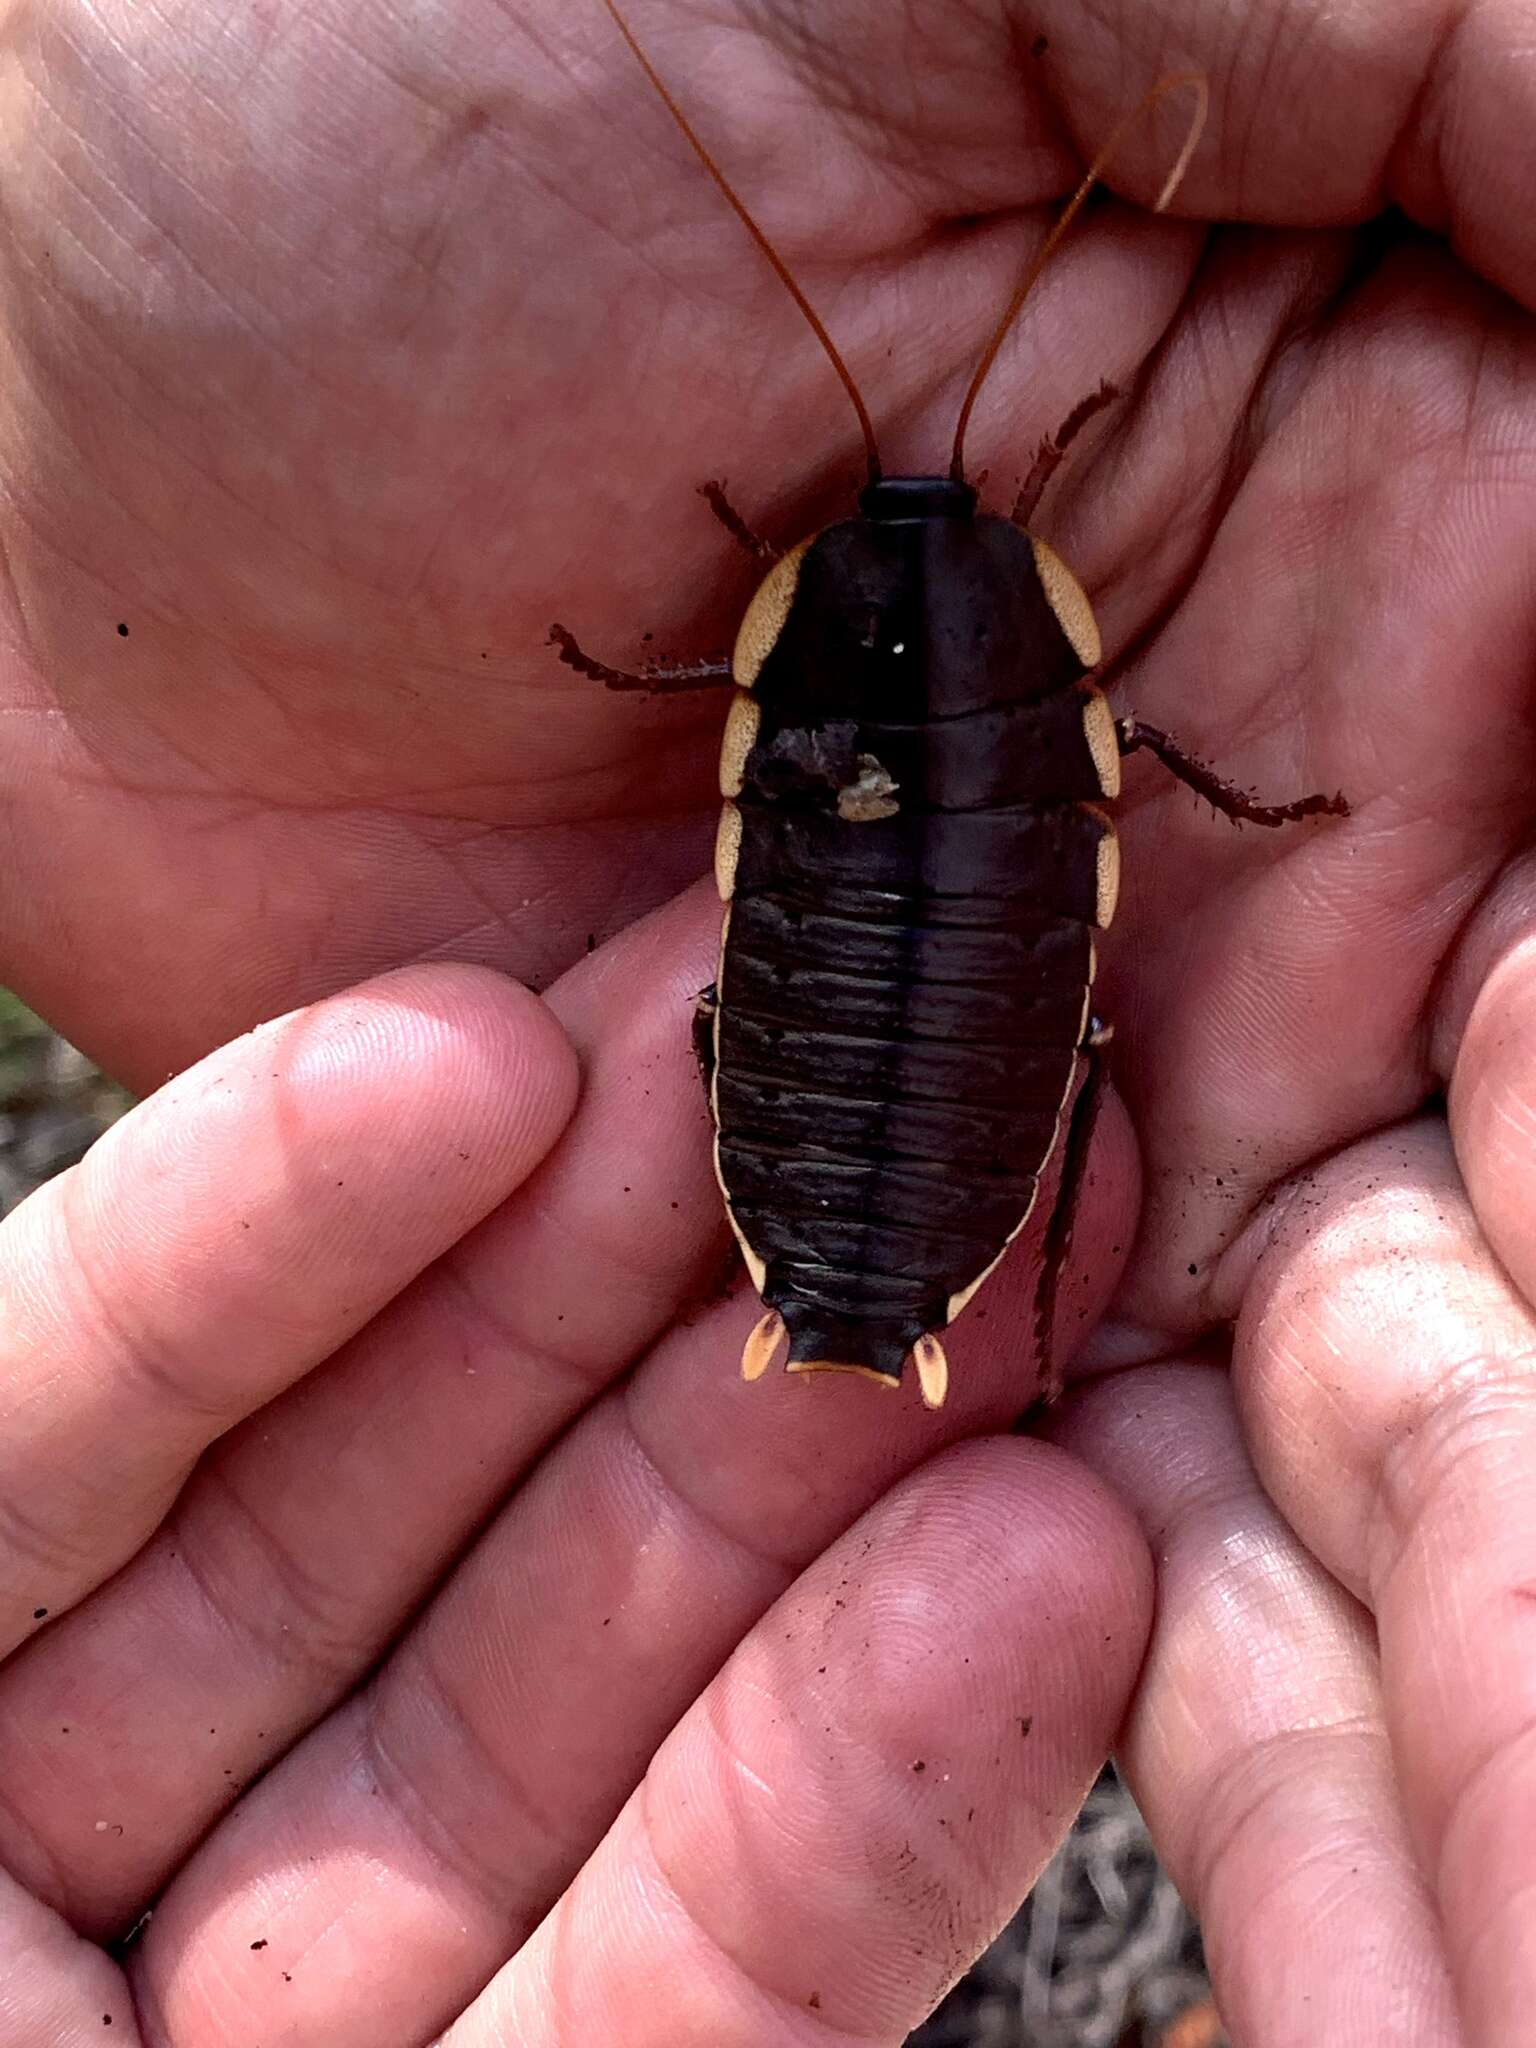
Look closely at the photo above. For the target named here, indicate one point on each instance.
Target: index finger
(230, 1233)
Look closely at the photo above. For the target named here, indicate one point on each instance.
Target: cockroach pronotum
(914, 859)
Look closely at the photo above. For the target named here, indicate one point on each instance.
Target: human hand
(400, 1600)
(1311, 525)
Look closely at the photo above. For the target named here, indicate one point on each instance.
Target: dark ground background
(1103, 1954)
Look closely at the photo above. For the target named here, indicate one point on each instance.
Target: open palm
(404, 1592)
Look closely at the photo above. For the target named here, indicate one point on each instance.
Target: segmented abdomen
(901, 1003)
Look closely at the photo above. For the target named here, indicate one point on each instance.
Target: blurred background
(1102, 1955)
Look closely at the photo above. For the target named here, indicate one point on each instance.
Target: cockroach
(914, 858)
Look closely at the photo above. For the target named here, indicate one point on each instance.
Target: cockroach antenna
(780, 267)
(1170, 83)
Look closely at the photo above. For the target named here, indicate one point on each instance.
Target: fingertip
(488, 1037)
(923, 1714)
(437, 1056)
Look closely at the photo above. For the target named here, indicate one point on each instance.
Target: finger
(1493, 1090)
(1293, 137)
(1256, 1744)
(268, 1593)
(1387, 1380)
(229, 1233)
(862, 1796)
(434, 1820)
(57, 1988)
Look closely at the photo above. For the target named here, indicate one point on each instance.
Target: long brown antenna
(781, 269)
(1069, 213)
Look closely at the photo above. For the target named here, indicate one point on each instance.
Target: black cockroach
(914, 858)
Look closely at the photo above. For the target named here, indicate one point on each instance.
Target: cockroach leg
(761, 550)
(757, 1352)
(1048, 455)
(655, 676)
(1226, 797)
(1058, 1233)
(705, 1004)
(932, 1370)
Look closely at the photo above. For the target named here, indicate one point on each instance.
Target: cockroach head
(896, 498)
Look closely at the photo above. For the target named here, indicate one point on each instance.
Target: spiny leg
(1048, 455)
(1058, 1232)
(655, 676)
(1224, 796)
(714, 496)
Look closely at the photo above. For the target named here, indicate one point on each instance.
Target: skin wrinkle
(1422, 118)
(286, 536)
(809, 2027)
(1223, 1840)
(594, 1378)
(494, 1885)
(49, 1555)
(1454, 1419)
(226, 303)
(149, 1367)
(1499, 1763)
(1514, 1912)
(812, 2026)
(51, 1882)
(781, 1563)
(918, 1879)
(324, 1638)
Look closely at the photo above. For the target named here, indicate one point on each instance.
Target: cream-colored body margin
(764, 617)
(1069, 601)
(963, 1298)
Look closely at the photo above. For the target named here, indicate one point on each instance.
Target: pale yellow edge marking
(932, 1370)
(962, 1300)
(834, 1365)
(757, 1271)
(1103, 739)
(1069, 601)
(760, 627)
(764, 617)
(740, 736)
(757, 1352)
(727, 850)
(1106, 869)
